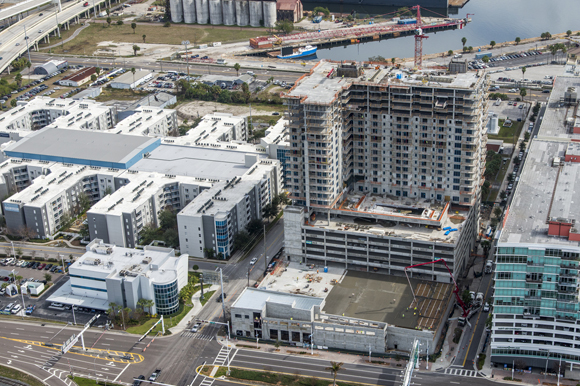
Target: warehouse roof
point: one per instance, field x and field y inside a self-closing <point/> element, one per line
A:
<point x="128" y="77"/>
<point x="83" y="147"/>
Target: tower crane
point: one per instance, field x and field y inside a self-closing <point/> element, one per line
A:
<point x="419" y="36"/>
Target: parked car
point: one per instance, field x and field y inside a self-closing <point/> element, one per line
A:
<point x="486" y="307"/>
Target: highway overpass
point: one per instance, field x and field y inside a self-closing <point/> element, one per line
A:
<point x="42" y="25"/>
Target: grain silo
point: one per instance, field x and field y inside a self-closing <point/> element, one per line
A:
<point x="189" y="15"/>
<point x="229" y="12"/>
<point x="202" y="11"/>
<point x="176" y="11"/>
<point x="242" y="13"/>
<point x="269" y="13"/>
<point x="215" y="12"/>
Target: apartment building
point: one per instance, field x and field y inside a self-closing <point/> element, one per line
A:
<point x="149" y="121"/>
<point x="387" y="166"/>
<point x="536" y="315"/>
<point x="217" y="214"/>
<point x="275" y="141"/>
<point x="219" y="127"/>
<point x="42" y="111"/>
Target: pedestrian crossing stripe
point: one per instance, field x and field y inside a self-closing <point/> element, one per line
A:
<point x="461" y="372"/>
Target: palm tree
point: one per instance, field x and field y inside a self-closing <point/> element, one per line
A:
<point x="237" y="68"/>
<point x="463" y="41"/>
<point x="136" y="48"/>
<point x="523" y="93"/>
<point x="113" y="309"/>
<point x="523" y="71"/>
<point x="18" y="79"/>
<point x="109" y="20"/>
<point x="334" y="368"/>
<point x="568" y="33"/>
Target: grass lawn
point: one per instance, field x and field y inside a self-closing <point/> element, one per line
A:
<point x="109" y="94"/>
<point x="507" y="133"/>
<point x="64" y="34"/>
<point x="206" y="296"/>
<point x="20" y="376"/>
<point x="80" y="381"/>
<point x="168" y="320"/>
<point x="86" y="41"/>
<point x="295" y="379"/>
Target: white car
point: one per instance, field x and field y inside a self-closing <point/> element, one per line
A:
<point x="16" y="309"/>
<point x="486" y="307"/>
<point x="196" y="327"/>
<point x="253" y="261"/>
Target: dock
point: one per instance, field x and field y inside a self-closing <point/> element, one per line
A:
<point x="346" y="36"/>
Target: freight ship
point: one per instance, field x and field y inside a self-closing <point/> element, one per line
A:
<point x="302" y="53"/>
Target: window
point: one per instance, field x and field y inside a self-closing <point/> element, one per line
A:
<point x="238" y="315"/>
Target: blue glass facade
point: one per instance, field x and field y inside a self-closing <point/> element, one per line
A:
<point x="166" y="298"/>
<point x="222" y="235"/>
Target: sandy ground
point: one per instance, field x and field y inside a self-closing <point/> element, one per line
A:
<point x="201" y="108"/>
<point x="155" y="51"/>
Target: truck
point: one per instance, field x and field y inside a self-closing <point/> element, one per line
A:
<point x="489" y="266"/>
<point x="481" y="55"/>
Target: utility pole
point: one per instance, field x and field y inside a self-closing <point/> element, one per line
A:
<point x="185" y="43"/>
<point x="265" y="257"/>
<point x="201" y="281"/>
<point x="223" y="300"/>
<point x="27" y="47"/>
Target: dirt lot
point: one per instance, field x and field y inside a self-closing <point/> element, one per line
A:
<point x="201" y="108"/>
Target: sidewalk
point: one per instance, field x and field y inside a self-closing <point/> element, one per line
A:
<point x="197" y="307"/>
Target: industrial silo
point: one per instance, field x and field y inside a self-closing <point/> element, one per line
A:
<point x="202" y="11"/>
<point x="189" y="15"/>
<point x="256" y="13"/>
<point x="229" y="10"/>
<point x="215" y="12"/>
<point x="269" y="13"/>
<point x="176" y="11"/>
<point x="242" y="13"/>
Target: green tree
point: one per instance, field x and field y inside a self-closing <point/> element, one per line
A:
<point x="393" y="60"/>
<point x="209" y="253"/>
<point x="466" y="297"/>
<point x="527" y="136"/>
<point x="450" y="52"/>
<point x="171" y="237"/>
<point x="524" y="71"/>
<point x="334" y="368"/>
<point x="523" y="93"/>
<point x="109" y="20"/>
<point x="254" y="226"/>
<point x="492" y="43"/>
<point x="568" y="33"/>
<point x="144" y="36"/>
<point x="285" y="26"/>
<point x="19" y="252"/>
<point x="241" y="239"/>
<point x="237" y="68"/>
<point x="503" y="195"/>
<point x="48" y="277"/>
<point x="97" y="70"/>
<point x="167" y="24"/>
<point x="323" y="10"/>
<point x="93" y="78"/>
<point x="168" y="219"/>
<point x="18" y="79"/>
<point x="518" y="40"/>
<point x="136" y="48"/>
<point x="497" y="212"/>
<point x="84" y="201"/>
<point x="195" y="267"/>
<point x="522" y="146"/>
<point x="463" y="41"/>
<point x="140" y="305"/>
<point x="133" y="70"/>
<point x="113" y="309"/>
<point x="120" y="22"/>
<point x="134" y="26"/>
<point x="148" y="303"/>
<point x="485" y="59"/>
<point x="13" y="103"/>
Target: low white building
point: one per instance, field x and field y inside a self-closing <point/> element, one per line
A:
<point x="108" y="274"/>
<point x="129" y="80"/>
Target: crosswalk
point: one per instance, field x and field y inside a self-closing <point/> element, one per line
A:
<point x="60" y="374"/>
<point x="50" y="362"/>
<point x="202" y="335"/>
<point x="222" y="356"/>
<point x="461" y="372"/>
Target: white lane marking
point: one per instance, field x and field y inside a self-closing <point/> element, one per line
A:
<point x="105" y="344"/>
<point x="44" y="380"/>
<point x="20" y="329"/>
<point x="109" y="339"/>
<point x="13" y="333"/>
<point x="457" y="383"/>
<point x="115" y="380"/>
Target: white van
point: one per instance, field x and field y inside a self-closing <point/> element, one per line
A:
<point x="221" y="61"/>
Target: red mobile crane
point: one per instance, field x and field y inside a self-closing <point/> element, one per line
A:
<point x="419" y="36"/>
<point x="463" y="306"/>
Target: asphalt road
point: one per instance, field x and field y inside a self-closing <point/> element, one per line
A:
<point x="41" y="251"/>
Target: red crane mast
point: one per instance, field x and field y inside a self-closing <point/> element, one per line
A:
<point x="419" y="36"/>
<point x="455" y="291"/>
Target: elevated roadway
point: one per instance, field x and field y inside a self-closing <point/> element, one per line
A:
<point x="18" y="9"/>
<point x="43" y="25"/>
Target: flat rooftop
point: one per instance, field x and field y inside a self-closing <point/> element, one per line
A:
<point x="254" y="299"/>
<point x="319" y="87"/>
<point x="82" y="147"/>
<point x="554" y="121"/>
<point x="128" y="77"/>
<point x="389" y="299"/>
<point x="543" y="191"/>
<point x="195" y="161"/>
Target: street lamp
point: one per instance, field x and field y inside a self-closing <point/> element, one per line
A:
<point x="186" y="43"/>
<point x="13" y="254"/>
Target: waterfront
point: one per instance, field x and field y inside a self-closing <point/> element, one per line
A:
<point x="499" y="20"/>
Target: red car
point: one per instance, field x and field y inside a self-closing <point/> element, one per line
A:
<point x="41" y="266"/>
